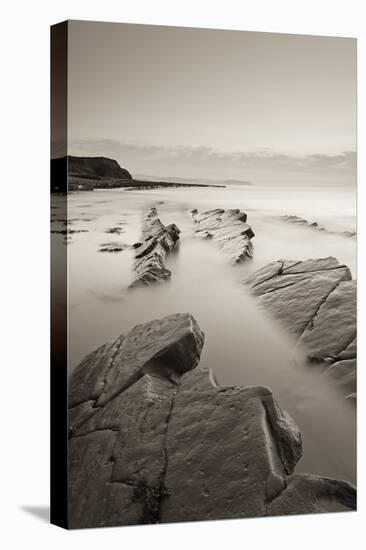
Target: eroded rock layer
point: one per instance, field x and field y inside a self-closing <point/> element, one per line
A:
<point x="157" y="241"/>
<point x="154" y="439"/>
<point x="228" y="229"/>
<point x="315" y="225"/>
<point x="315" y="300"/>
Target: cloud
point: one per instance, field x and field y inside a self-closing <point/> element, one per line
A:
<point x="157" y="160"/>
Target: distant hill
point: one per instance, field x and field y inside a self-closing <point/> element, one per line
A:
<point x="86" y="173"/>
<point x="96" y="167"/>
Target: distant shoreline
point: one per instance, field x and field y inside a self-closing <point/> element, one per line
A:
<point x="142" y="184"/>
<point x="88" y="173"/>
<point x="91" y="185"/>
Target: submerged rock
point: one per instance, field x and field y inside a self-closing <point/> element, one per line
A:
<point x="315" y="300"/>
<point x="68" y="231"/>
<point x="114" y="230"/>
<point x="314" y="225"/>
<point x="157" y="241"/>
<point x="154" y="439"/>
<point x="229" y="230"/>
<point x="302" y="221"/>
<point x="112" y="247"/>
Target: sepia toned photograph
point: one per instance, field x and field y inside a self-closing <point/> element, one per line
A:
<point x="203" y="254"/>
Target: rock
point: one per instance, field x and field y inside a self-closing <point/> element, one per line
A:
<point x="112" y="247"/>
<point x="303" y="489"/>
<point x="69" y="231"/>
<point x="154" y="439"/>
<point x="157" y="241"/>
<point x="302" y="221"/>
<point x="122" y="361"/>
<point x="228" y="229"/>
<point x="345" y="373"/>
<point x="224" y="452"/>
<point x="114" y="230"/>
<point x="315" y="300"/>
<point x="314" y="225"/>
<point x="335" y="323"/>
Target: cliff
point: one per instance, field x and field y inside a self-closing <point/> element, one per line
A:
<point x="86" y="173"/>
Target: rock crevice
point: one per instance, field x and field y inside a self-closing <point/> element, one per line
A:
<point x="157" y="241"/>
<point x="314" y="300"/>
<point x="228" y="229"/>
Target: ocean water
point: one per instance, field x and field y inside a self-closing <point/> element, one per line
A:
<point x="242" y="344"/>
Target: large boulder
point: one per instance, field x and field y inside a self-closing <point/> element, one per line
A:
<point x="157" y="241"/>
<point x="153" y="438"/>
<point x="228" y="229"/>
<point x="314" y="300"/>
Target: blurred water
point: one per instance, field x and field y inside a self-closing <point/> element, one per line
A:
<point x="242" y="345"/>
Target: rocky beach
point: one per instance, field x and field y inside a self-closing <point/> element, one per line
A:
<point x="220" y="336"/>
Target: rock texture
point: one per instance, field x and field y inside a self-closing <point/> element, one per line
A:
<point x="157" y="241"/>
<point x="229" y="230"/>
<point x="314" y="225"/>
<point x="315" y="300"/>
<point x="154" y="439"/>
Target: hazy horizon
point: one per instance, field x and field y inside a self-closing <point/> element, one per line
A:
<point x="216" y="104"/>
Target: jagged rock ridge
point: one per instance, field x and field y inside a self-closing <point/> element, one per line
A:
<point x="157" y="241"/>
<point x="315" y="300"/>
<point x="228" y="229"/>
<point x="314" y="225"/>
<point x="154" y="439"/>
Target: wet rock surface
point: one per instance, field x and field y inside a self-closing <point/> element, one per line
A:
<point x="154" y="439"/>
<point x="228" y="229"/>
<point x="157" y="241"/>
<point x="314" y="300"/>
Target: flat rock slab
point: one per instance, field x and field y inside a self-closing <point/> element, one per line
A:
<point x="228" y="229"/>
<point x="157" y="241"/>
<point x="154" y="439"/>
<point x="314" y="300"/>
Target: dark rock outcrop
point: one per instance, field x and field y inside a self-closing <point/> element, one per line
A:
<point x="86" y="173"/>
<point x="315" y="300"/>
<point x="96" y="167"/>
<point x="157" y="241"/>
<point x="229" y="230"/>
<point x="114" y="230"/>
<point x="112" y="247"/>
<point x="154" y="439"/>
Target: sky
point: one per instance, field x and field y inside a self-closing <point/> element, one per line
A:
<point x="170" y="101"/>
